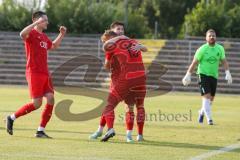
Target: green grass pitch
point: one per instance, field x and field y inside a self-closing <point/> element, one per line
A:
<point x="178" y="139"/>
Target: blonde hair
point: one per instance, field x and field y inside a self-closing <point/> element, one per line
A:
<point x="108" y="34"/>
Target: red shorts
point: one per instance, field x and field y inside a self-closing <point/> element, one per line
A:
<point x="131" y="91"/>
<point x="39" y="84"/>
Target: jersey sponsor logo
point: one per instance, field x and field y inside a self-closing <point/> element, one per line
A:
<point x="212" y="60"/>
<point x="43" y="44"/>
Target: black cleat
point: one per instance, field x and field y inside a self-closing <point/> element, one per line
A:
<point x="41" y="134"/>
<point x="110" y="133"/>
<point x="210" y="122"/>
<point x="9" y="125"/>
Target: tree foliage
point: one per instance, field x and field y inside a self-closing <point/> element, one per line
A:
<point x="174" y="17"/>
<point x="221" y="15"/>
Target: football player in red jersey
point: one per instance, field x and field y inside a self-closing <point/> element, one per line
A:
<point x="119" y="28"/>
<point x="128" y="79"/>
<point x="38" y="77"/>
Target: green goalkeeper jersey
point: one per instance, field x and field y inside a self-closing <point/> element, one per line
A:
<point x="209" y="58"/>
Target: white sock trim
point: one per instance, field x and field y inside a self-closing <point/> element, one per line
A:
<point x="206" y="105"/>
<point x="100" y="128"/>
<point x="13" y="117"/>
<point x="129" y="132"/>
<point x="40" y="128"/>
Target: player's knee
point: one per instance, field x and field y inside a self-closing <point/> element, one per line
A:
<point x="212" y="98"/>
<point x="129" y="108"/>
<point x="37" y="103"/>
<point x="207" y="96"/>
<point x="50" y="100"/>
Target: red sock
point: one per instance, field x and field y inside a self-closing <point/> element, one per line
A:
<point x="140" y="119"/>
<point x="129" y="117"/>
<point x="110" y="116"/>
<point x="27" y="108"/>
<point x="102" y="121"/>
<point x="46" y="115"/>
<point x="108" y="112"/>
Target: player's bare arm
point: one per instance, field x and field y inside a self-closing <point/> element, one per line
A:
<point x="225" y="64"/>
<point x="107" y="65"/>
<point x="192" y="66"/>
<point x="139" y="47"/>
<point x="143" y="48"/>
<point x="25" y="32"/>
<point x="58" y="40"/>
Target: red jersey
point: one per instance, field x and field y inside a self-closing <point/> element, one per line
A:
<point x="36" y="46"/>
<point x="125" y="62"/>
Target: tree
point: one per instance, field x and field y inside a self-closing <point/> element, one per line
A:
<point x="13" y="17"/>
<point x="221" y="15"/>
<point x="169" y="15"/>
<point x="93" y="17"/>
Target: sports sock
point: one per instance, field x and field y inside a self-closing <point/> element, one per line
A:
<point x="129" y="132"/>
<point x="201" y="111"/>
<point x="110" y="116"/>
<point x="102" y="121"/>
<point x="46" y="115"/>
<point x="27" y="108"/>
<point x="13" y="117"/>
<point x="207" y="108"/>
<point x="100" y="128"/>
<point x="129" y="117"/>
<point x="140" y="119"/>
<point x="40" y="129"/>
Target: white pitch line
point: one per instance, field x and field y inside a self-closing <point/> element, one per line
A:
<point x="216" y="152"/>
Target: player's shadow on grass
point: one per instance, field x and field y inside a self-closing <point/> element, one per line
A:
<point x="179" y="145"/>
<point x="52" y="131"/>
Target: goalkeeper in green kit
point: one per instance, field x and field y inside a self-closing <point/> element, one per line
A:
<point x="208" y="58"/>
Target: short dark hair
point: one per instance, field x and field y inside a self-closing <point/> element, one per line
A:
<point x="210" y="30"/>
<point x="38" y="14"/>
<point x="116" y="23"/>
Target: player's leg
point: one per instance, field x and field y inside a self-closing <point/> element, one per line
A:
<point x="129" y="120"/>
<point x="140" y="118"/>
<point x="35" y="88"/>
<point x="45" y="116"/>
<point x="109" y="115"/>
<point x="48" y="109"/>
<point x="25" y="109"/>
<point x="206" y="105"/>
<point x="140" y="93"/>
<point x="99" y="131"/>
<point x="205" y="89"/>
<point x="201" y="111"/>
<point x="213" y="86"/>
<point x="103" y="121"/>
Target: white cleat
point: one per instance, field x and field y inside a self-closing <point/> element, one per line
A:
<point x="129" y="139"/>
<point x="140" y="138"/>
<point x="95" y="135"/>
